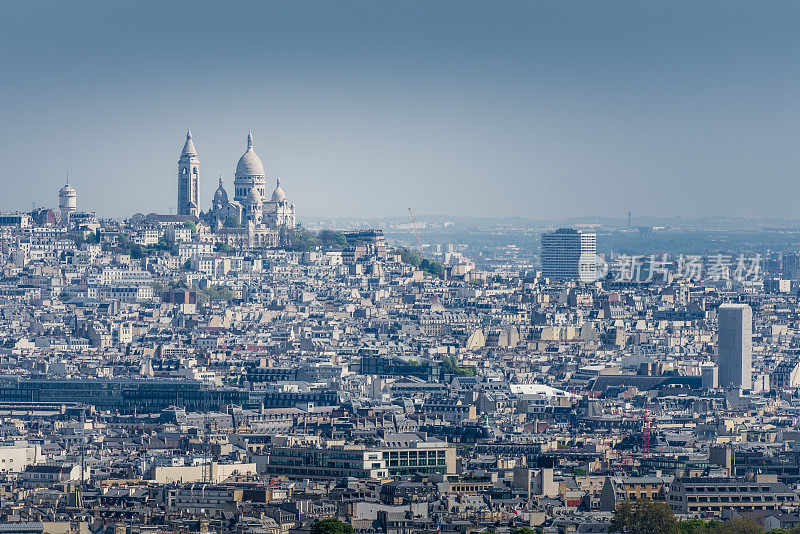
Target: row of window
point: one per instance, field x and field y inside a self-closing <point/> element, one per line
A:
<point x="737" y="498"/>
<point x="243" y="191"/>
<point x="727" y="489"/>
<point x="720" y="508"/>
<point x="414" y="454"/>
<point x="422" y="461"/>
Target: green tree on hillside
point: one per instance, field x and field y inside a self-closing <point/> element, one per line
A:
<point x="331" y="239"/>
<point x="740" y="526"/>
<point x="432" y="267"/>
<point x="331" y="526"/>
<point x="408" y="256"/>
<point x="644" y="517"/>
<point x="298" y="239"/>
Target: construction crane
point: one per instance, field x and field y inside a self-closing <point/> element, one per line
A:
<point x="416" y="230"/>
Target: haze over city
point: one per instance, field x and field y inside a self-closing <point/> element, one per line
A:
<point x="543" y="110"/>
<point x="361" y="267"/>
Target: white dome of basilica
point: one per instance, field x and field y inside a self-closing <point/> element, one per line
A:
<point x="249" y="164"/>
<point x="278" y="195"/>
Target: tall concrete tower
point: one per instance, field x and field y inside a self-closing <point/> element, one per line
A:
<point x="188" y="179"/>
<point x="735" y="339"/>
<point x="67" y="202"/>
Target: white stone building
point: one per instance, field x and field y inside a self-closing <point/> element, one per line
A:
<point x="258" y="218"/>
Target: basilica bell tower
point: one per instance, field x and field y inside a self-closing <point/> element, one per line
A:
<point x="188" y="179"/>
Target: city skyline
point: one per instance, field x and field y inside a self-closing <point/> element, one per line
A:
<point x="540" y="110"/>
<point x="357" y="267"/>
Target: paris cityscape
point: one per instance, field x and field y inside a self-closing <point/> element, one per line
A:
<point x="364" y="268"/>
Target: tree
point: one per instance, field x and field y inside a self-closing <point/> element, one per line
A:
<point x="523" y="530"/>
<point x="432" y="267"/>
<point x="740" y="526"/>
<point x="215" y="293"/>
<point x="331" y="239"/>
<point x="696" y="526"/>
<point x="331" y="526"/>
<point x="232" y="221"/>
<point x="644" y="517"/>
<point x="450" y="365"/>
<point x="191" y="226"/>
<point x="412" y="258"/>
<point x="408" y="256"/>
<point x="301" y="240"/>
<point x="224" y="248"/>
<point x="135" y="251"/>
<point x="77" y="238"/>
<point x="158" y="247"/>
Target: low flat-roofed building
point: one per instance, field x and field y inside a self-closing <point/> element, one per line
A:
<point x="710" y="495"/>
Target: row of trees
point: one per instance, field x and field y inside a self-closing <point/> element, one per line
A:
<point x="412" y="258"/>
<point x="331" y="526"/>
<point x="137" y="251"/>
<point x="450" y="365"/>
<point x="653" y="517"/>
<point x="220" y="293"/>
<point x="300" y="239"/>
<point x="639" y="517"/>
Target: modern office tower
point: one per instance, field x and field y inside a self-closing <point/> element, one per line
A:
<point x="569" y="254"/>
<point x="735" y="341"/>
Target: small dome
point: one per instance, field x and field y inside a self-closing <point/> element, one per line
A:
<point x="253" y="196"/>
<point x="67" y="191"/>
<point x="249" y="164"/>
<point x="188" y="147"/>
<point x="220" y="195"/>
<point x="278" y="195"/>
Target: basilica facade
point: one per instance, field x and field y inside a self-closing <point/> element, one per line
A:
<point x="250" y="218"/>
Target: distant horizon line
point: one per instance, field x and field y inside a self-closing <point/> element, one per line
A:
<point x="581" y="220"/>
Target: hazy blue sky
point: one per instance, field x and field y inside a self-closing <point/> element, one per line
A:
<point x="534" y="109"/>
